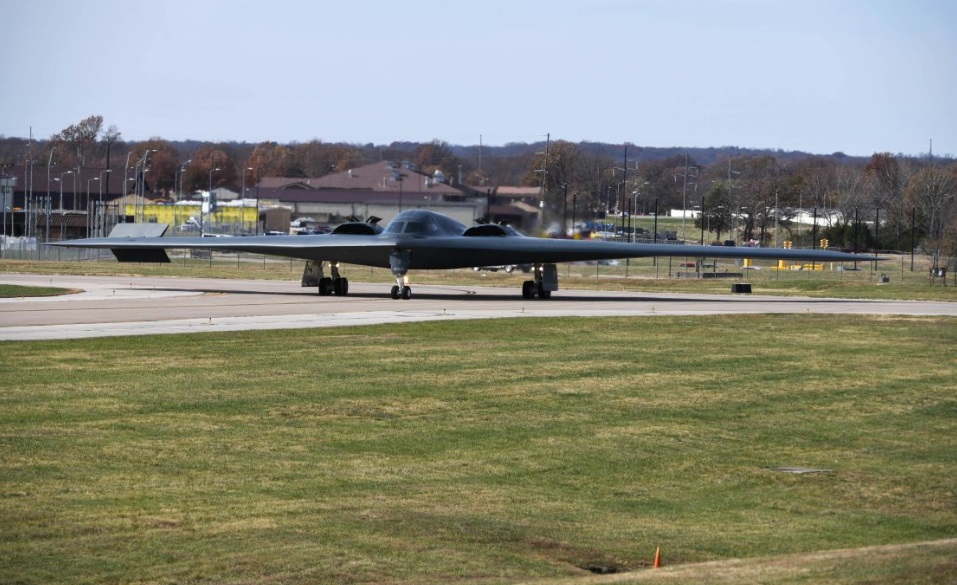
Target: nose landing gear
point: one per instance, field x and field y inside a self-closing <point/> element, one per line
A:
<point x="399" y="261"/>
<point x="403" y="292"/>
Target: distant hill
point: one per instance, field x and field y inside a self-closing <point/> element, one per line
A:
<point x="702" y="156"/>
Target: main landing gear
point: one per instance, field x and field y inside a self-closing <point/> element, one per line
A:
<point x="312" y="275"/>
<point x="546" y="281"/>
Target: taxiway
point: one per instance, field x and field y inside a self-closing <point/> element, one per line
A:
<point x="117" y="305"/>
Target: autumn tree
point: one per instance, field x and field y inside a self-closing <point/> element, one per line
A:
<point x="202" y="172"/>
<point x="160" y="160"/>
<point x="437" y="156"/>
<point x="85" y="143"/>
<point x="268" y="159"/>
<point x="344" y="158"/>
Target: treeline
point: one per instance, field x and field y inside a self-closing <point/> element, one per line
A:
<point x="887" y="201"/>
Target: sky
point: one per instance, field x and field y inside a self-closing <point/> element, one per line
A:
<point x="820" y="76"/>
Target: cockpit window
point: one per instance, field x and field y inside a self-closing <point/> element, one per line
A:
<point x="411" y="227"/>
<point x="394" y="227"/>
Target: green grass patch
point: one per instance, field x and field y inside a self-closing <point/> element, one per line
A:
<point x="493" y="452"/>
<point x="8" y="291"/>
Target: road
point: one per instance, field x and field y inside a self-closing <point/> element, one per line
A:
<point x="118" y="305"/>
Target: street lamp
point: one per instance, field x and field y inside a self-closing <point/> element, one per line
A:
<point x="63" y="174"/>
<point x="208" y="202"/>
<point x="104" y="172"/>
<point x="401" y="179"/>
<point x="88" y="181"/>
<point x="178" y="179"/>
<point x="140" y="186"/>
<point x="243" y="195"/>
<point x="693" y="173"/>
<point x="731" y="190"/>
<point x="257" y="200"/>
<point x="100" y="217"/>
<point x="701" y="221"/>
<point x="636" y="193"/>
<point x="77" y="184"/>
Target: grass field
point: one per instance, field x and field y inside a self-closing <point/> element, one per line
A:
<point x="14" y="291"/>
<point x="509" y="451"/>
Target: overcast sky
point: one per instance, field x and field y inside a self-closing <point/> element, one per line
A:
<point x="856" y="76"/>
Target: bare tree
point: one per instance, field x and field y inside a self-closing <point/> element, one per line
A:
<point x="931" y="192"/>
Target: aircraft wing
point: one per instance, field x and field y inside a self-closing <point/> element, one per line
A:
<point x="462" y="252"/>
<point x="353" y="249"/>
<point x="446" y="251"/>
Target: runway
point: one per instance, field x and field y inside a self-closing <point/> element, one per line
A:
<point x="117" y="305"/>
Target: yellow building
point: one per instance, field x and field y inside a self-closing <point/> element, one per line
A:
<point x="226" y="219"/>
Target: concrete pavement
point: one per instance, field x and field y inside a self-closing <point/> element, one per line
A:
<point x="115" y="305"/>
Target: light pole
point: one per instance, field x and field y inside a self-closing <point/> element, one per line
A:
<point x="701" y="221"/>
<point x="126" y="183"/>
<point x="257" y="201"/>
<point x="636" y="193"/>
<point x="100" y="217"/>
<point x="49" y="164"/>
<point x="88" y="181"/>
<point x="207" y="205"/>
<point x="243" y="195"/>
<point x="178" y="179"/>
<point x="104" y="172"/>
<point x="63" y="174"/>
<point x="400" y="179"/>
<point x="689" y="172"/>
<point x="731" y="194"/>
<point x="141" y="180"/>
<point x="77" y="184"/>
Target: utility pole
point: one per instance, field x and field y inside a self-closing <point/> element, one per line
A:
<point x="481" y="172"/>
<point x="544" y="172"/>
<point x="548" y="138"/>
<point x="684" y="200"/>
<point x="624" y="188"/>
<point x="684" y="192"/>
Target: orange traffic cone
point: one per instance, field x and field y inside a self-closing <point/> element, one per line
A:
<point x="658" y="557"/>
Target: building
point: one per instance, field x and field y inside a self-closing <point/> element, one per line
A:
<point x="54" y="202"/>
<point x="382" y="190"/>
<point x="385" y="188"/>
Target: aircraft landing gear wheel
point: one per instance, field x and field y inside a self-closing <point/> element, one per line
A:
<point x="325" y="286"/>
<point x="395" y="292"/>
<point x="542" y="293"/>
<point x="406" y="293"/>
<point x="528" y="289"/>
<point x="340" y="286"/>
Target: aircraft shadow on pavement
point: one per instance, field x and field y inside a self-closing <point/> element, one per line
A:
<point x="425" y="292"/>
